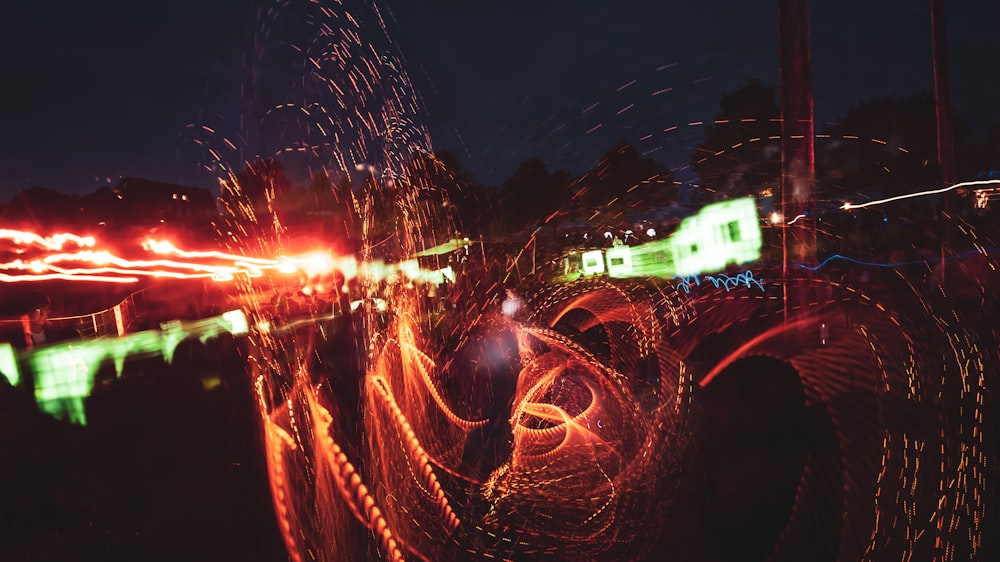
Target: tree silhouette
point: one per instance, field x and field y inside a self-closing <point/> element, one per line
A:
<point x="104" y="206"/>
<point x="259" y="185"/>
<point x="41" y="208"/>
<point x="332" y="199"/>
<point x="888" y="144"/>
<point x="741" y="154"/>
<point x="263" y="180"/>
<point x="321" y="191"/>
<point x="993" y="144"/>
<point x="531" y="194"/>
<point x="624" y="179"/>
<point x="451" y="188"/>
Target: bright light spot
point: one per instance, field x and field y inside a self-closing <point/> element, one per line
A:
<point x="8" y="364"/>
<point x="651" y="232"/>
<point x="593" y="262"/>
<point x="776" y="218"/>
<point x="237" y="322"/>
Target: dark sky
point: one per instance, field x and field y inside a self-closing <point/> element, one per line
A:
<point x="99" y="90"/>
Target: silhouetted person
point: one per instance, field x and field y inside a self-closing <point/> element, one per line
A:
<point x="342" y="357"/>
<point x="34" y="323"/>
<point x="513" y="306"/>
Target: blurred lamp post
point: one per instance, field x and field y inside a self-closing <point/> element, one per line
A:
<point x="798" y="161"/>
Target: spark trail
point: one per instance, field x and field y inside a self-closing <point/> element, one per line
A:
<point x="605" y="382"/>
<point x="40" y="259"/>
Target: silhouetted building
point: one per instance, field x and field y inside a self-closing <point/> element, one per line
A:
<point x="148" y="201"/>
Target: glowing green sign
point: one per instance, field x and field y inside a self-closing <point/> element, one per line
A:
<point x="619" y="261"/>
<point x="64" y="372"/>
<point x="593" y="262"/>
<point x="8" y="364"/>
<point x="723" y="233"/>
<point x="727" y="232"/>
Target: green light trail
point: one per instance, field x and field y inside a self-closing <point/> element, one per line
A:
<point x="63" y="373"/>
<point x="721" y="234"/>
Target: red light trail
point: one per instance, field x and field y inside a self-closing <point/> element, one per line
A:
<point x="53" y="242"/>
<point x="40" y="258"/>
<point x="616" y="412"/>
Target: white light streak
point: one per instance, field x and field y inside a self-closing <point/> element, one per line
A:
<point x="847" y="206"/>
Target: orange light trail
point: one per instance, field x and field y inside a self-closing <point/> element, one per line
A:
<point x="42" y="259"/>
<point x="103" y="263"/>
<point x="5" y="278"/>
<point x="54" y="242"/>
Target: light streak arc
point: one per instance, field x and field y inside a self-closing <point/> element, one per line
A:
<point x="848" y="205"/>
<point x="53" y="242"/>
<point x="100" y="265"/>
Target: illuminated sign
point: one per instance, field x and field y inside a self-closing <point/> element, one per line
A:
<point x="620" y="261"/>
<point x="593" y="262"/>
<point x="721" y="234"/>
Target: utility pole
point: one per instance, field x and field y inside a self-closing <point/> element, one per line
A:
<point x="945" y="127"/>
<point x="942" y="95"/>
<point x="798" y="159"/>
<point x="945" y="149"/>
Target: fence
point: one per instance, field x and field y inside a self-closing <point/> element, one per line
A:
<point x="111" y="322"/>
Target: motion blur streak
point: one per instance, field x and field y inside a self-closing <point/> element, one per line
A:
<point x="95" y="265"/>
<point x="53" y="242"/>
<point x="848" y="206"/>
<point x="623" y="416"/>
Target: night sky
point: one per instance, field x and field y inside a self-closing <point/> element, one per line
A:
<point x="96" y="91"/>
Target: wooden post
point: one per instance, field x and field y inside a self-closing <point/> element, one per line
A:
<point x="942" y="113"/>
<point x="798" y="160"/>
